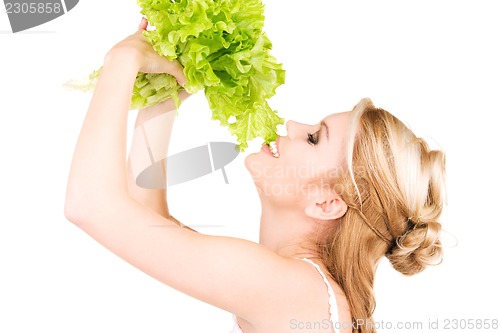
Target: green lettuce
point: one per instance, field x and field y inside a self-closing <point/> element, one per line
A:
<point x="223" y="49"/>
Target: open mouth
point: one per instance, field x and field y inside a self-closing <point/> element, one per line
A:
<point x="272" y="149"/>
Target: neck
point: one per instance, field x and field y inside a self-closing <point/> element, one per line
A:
<point x="287" y="231"/>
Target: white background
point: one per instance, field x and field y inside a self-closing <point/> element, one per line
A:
<point x="434" y="64"/>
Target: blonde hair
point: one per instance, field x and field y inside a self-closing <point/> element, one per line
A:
<point x="393" y="184"/>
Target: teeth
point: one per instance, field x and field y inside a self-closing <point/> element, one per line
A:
<point x="274" y="149"/>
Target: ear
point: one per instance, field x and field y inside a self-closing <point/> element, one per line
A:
<point x="328" y="207"/>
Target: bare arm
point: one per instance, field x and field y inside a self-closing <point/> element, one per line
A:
<point x="233" y="274"/>
<point x="150" y="141"/>
<point x="140" y="157"/>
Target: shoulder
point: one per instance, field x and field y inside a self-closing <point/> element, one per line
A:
<point x="318" y="294"/>
<point x="344" y="314"/>
<point x="303" y="300"/>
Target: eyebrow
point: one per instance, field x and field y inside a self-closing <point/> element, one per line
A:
<point x="326" y="127"/>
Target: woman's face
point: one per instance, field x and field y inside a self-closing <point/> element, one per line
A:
<point x="306" y="153"/>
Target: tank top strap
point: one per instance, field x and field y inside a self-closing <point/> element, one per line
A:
<point x="334" y="312"/>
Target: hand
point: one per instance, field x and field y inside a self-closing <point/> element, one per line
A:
<point x="145" y="57"/>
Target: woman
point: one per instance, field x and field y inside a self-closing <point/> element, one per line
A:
<point x="336" y="197"/>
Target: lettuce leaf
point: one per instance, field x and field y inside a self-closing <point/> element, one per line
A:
<point x="223" y="49"/>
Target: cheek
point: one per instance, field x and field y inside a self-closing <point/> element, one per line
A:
<point x="286" y="176"/>
<point x="287" y="180"/>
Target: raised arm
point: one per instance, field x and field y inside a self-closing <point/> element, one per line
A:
<point x="150" y="141"/>
<point x="233" y="274"/>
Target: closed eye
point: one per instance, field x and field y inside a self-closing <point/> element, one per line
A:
<point x="312" y="138"/>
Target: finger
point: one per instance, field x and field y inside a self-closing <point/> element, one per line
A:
<point x="183" y="94"/>
<point x="175" y="69"/>
<point x="144" y="24"/>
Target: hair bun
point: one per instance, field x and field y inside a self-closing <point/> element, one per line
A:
<point x="417" y="248"/>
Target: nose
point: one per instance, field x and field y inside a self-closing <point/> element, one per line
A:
<point x="289" y="125"/>
<point x="293" y="127"/>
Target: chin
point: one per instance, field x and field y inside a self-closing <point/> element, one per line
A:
<point x="254" y="166"/>
<point x="252" y="161"/>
